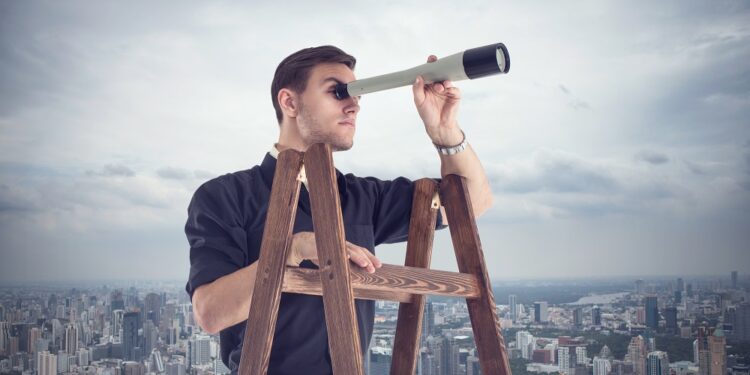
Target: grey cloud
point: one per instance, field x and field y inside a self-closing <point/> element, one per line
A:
<point x="652" y="157"/>
<point x="173" y="173"/>
<point x="695" y="168"/>
<point x="564" y="89"/>
<point x="554" y="173"/>
<point x="13" y="200"/>
<point x="111" y="170"/>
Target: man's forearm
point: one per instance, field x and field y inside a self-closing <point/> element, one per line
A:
<point x="467" y="164"/>
<point x="226" y="301"/>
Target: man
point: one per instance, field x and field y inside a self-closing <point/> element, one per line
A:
<point x="227" y="214"/>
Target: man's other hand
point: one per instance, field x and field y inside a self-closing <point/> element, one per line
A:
<point x="303" y="247"/>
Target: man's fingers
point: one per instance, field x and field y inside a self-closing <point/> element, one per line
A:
<point x="360" y="257"/>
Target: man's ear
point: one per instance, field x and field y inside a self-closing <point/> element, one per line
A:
<point x="288" y="102"/>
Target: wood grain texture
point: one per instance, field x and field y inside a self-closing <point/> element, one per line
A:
<point x="338" y="296"/>
<point x="389" y="279"/>
<point x="274" y="249"/>
<point x="493" y="356"/>
<point x="418" y="254"/>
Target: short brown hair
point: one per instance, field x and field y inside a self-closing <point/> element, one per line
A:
<point x="294" y="71"/>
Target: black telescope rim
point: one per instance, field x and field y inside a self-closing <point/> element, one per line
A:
<point x="482" y="61"/>
<point x="341" y="90"/>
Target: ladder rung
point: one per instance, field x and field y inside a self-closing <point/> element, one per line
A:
<point x="390" y="282"/>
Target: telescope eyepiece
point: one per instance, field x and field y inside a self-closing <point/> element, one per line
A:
<point x="341" y="91"/>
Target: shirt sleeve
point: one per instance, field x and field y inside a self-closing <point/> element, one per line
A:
<point x="214" y="230"/>
<point x="393" y="210"/>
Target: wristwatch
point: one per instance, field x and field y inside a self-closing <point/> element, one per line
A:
<point x="452" y="150"/>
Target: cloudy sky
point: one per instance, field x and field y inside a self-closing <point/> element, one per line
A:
<point x="618" y="144"/>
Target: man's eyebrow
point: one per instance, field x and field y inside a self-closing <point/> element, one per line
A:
<point x="334" y="79"/>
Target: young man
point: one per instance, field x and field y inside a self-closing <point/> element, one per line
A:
<point x="227" y="214"/>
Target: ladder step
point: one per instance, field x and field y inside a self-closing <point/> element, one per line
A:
<point x="390" y="282"/>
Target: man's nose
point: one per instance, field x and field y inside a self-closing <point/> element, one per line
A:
<point x="352" y="105"/>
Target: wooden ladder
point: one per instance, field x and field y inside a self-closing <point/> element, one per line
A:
<point x="339" y="285"/>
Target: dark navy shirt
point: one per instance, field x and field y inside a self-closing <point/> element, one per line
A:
<point x="225" y="227"/>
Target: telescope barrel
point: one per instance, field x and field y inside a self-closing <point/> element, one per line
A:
<point x="470" y="64"/>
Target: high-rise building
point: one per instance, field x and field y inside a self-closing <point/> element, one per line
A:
<point x="717" y="345"/>
<point x="602" y="366"/>
<point x="658" y="363"/>
<point x="637" y="353"/>
<point x="46" y="363"/>
<point x="380" y="361"/>
<point x="670" y="315"/>
<point x="680" y="285"/>
<point x="577" y="316"/>
<point x="596" y="316"/>
<point x="581" y="355"/>
<point x="689" y="290"/>
<point x="734" y="279"/>
<point x="710" y="350"/>
<point x="652" y="312"/>
<point x="152" y="304"/>
<point x="525" y="342"/>
<point x="472" y="366"/>
<point x="513" y="305"/>
<point x="740" y="320"/>
<point x="199" y="350"/>
<point x="130" y="338"/>
<point x="4" y="337"/>
<point x="540" y="311"/>
<point x="563" y="359"/>
<point x="34" y="334"/>
<point x="155" y="362"/>
<point x="677" y="297"/>
<point x="71" y="339"/>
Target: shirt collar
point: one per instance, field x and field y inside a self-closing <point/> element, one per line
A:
<point x="268" y="168"/>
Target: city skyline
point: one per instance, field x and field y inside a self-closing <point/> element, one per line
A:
<point x="617" y="144"/>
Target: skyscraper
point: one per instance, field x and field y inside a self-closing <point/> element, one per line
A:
<point x="734" y="279"/>
<point x="540" y="311"/>
<point x="512" y="304"/>
<point x="71" y="339"/>
<point x="525" y="341"/>
<point x="602" y="366"/>
<point x="670" y="315"/>
<point x="658" y="363"/>
<point x="680" y="285"/>
<point x="717" y="352"/>
<point x="652" y="312"/>
<point x="34" y="334"/>
<point x="130" y="336"/>
<point x="46" y="363"/>
<point x="200" y="350"/>
<point x="152" y="304"/>
<point x="637" y="354"/>
<point x="578" y="316"/>
<point x="596" y="316"/>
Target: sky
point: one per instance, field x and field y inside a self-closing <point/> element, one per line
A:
<point x="618" y="144"/>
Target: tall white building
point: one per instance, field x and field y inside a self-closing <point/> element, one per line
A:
<point x="563" y="358"/>
<point x="581" y="356"/>
<point x="513" y="307"/>
<point x="71" y="339"/>
<point x="46" y="363"/>
<point x="200" y="350"/>
<point x="525" y="341"/>
<point x="602" y="366"/>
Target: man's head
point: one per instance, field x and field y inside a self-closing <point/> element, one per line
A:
<point x="306" y="107"/>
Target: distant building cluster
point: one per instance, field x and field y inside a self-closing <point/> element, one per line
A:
<point x="149" y="329"/>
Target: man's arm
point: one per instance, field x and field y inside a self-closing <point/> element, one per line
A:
<point x="226" y="301"/>
<point x="437" y="104"/>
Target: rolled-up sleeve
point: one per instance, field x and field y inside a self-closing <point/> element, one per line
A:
<point x="393" y="209"/>
<point x="214" y="230"/>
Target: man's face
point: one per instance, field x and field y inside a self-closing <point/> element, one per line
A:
<point x="323" y="118"/>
